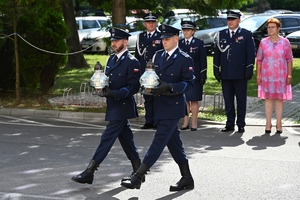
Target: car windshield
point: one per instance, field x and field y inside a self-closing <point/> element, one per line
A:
<point x="176" y="21"/>
<point x="253" y="23"/>
<point x="135" y="26"/>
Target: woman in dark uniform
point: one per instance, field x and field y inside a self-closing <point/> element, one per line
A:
<point x="195" y="48"/>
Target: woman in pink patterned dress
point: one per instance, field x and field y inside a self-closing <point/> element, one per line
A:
<point x="274" y="73"/>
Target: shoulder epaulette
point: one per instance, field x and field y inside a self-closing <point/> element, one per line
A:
<point x="184" y="54"/>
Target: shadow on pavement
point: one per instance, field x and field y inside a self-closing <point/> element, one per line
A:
<point x="265" y="141"/>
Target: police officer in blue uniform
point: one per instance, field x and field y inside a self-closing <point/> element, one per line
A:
<point x="175" y="71"/>
<point x="148" y="42"/>
<point x="195" y="48"/>
<point x="123" y="71"/>
<point x="233" y="60"/>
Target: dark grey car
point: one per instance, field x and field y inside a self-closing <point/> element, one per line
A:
<point x="206" y="27"/>
<point x="257" y="24"/>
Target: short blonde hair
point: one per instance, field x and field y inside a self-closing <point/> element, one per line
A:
<point x="275" y="21"/>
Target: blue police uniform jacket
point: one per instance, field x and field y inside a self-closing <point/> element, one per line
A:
<point x="235" y="56"/>
<point x="146" y="47"/>
<point x="177" y="70"/>
<point x="124" y="82"/>
<point x="197" y="51"/>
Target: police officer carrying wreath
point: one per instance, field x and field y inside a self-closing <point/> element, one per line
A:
<point x="123" y="71"/>
<point x="148" y="42"/>
<point x="233" y="60"/>
<point x="175" y="71"/>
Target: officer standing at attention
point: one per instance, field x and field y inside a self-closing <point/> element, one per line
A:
<point x="195" y="48"/>
<point x="123" y="71"/>
<point x="233" y="60"/>
<point x="175" y="71"/>
<point x="148" y="42"/>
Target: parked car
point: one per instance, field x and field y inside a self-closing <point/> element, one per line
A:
<point x="90" y="23"/>
<point x="279" y="11"/>
<point x="222" y="13"/>
<point x="207" y="28"/>
<point x="134" y="28"/>
<point x="294" y="39"/>
<point x="179" y="13"/>
<point x="96" y="41"/>
<point x="257" y="24"/>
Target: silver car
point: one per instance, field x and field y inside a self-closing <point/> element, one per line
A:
<point x="294" y="39"/>
<point x="96" y="42"/>
<point x="87" y="24"/>
<point x="207" y="28"/>
<point x="134" y="28"/>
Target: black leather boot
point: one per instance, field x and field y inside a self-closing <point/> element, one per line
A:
<point x="136" y="180"/>
<point x="87" y="176"/>
<point x="135" y="166"/>
<point x="186" y="181"/>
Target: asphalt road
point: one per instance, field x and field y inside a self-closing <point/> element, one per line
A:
<point x="40" y="155"/>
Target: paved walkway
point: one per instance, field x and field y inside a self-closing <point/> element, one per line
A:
<point x="255" y="108"/>
<point x="291" y="112"/>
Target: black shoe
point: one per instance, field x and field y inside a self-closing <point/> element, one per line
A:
<point x="278" y="131"/>
<point x="193" y="129"/>
<point x="87" y="176"/>
<point x="186" y="181"/>
<point x="241" y="130"/>
<point x="147" y="126"/>
<point x="267" y="131"/>
<point x="185" y="128"/>
<point x="227" y="128"/>
<point x="136" y="180"/>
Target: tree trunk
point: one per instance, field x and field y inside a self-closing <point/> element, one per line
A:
<point x="119" y="14"/>
<point x="18" y="92"/>
<point x="74" y="60"/>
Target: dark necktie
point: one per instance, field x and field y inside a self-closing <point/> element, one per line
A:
<point x="187" y="42"/>
<point x="166" y="57"/>
<point x="232" y="34"/>
<point x="115" y="59"/>
<point x="149" y="35"/>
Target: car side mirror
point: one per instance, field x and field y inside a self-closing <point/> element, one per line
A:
<point x="282" y="33"/>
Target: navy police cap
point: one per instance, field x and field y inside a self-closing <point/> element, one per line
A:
<point x="118" y="34"/>
<point x="233" y="15"/>
<point x="150" y="17"/>
<point x="187" y="25"/>
<point x="168" y="31"/>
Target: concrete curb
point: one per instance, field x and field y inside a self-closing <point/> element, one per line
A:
<point x="100" y="116"/>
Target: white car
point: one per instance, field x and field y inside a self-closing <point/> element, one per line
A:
<point x="87" y="24"/>
<point x="96" y="42"/>
<point x="134" y="28"/>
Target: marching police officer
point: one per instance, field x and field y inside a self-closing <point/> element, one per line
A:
<point x="148" y="42"/>
<point x="123" y="71"/>
<point x="195" y="48"/>
<point x="175" y="71"/>
<point x="233" y="60"/>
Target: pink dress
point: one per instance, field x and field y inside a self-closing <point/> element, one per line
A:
<point x="273" y="58"/>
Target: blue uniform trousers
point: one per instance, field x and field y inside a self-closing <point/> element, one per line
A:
<point x="237" y="88"/>
<point x="116" y="129"/>
<point x="149" y="109"/>
<point x="167" y="134"/>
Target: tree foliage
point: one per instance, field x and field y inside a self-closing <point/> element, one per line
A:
<point x="40" y="24"/>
